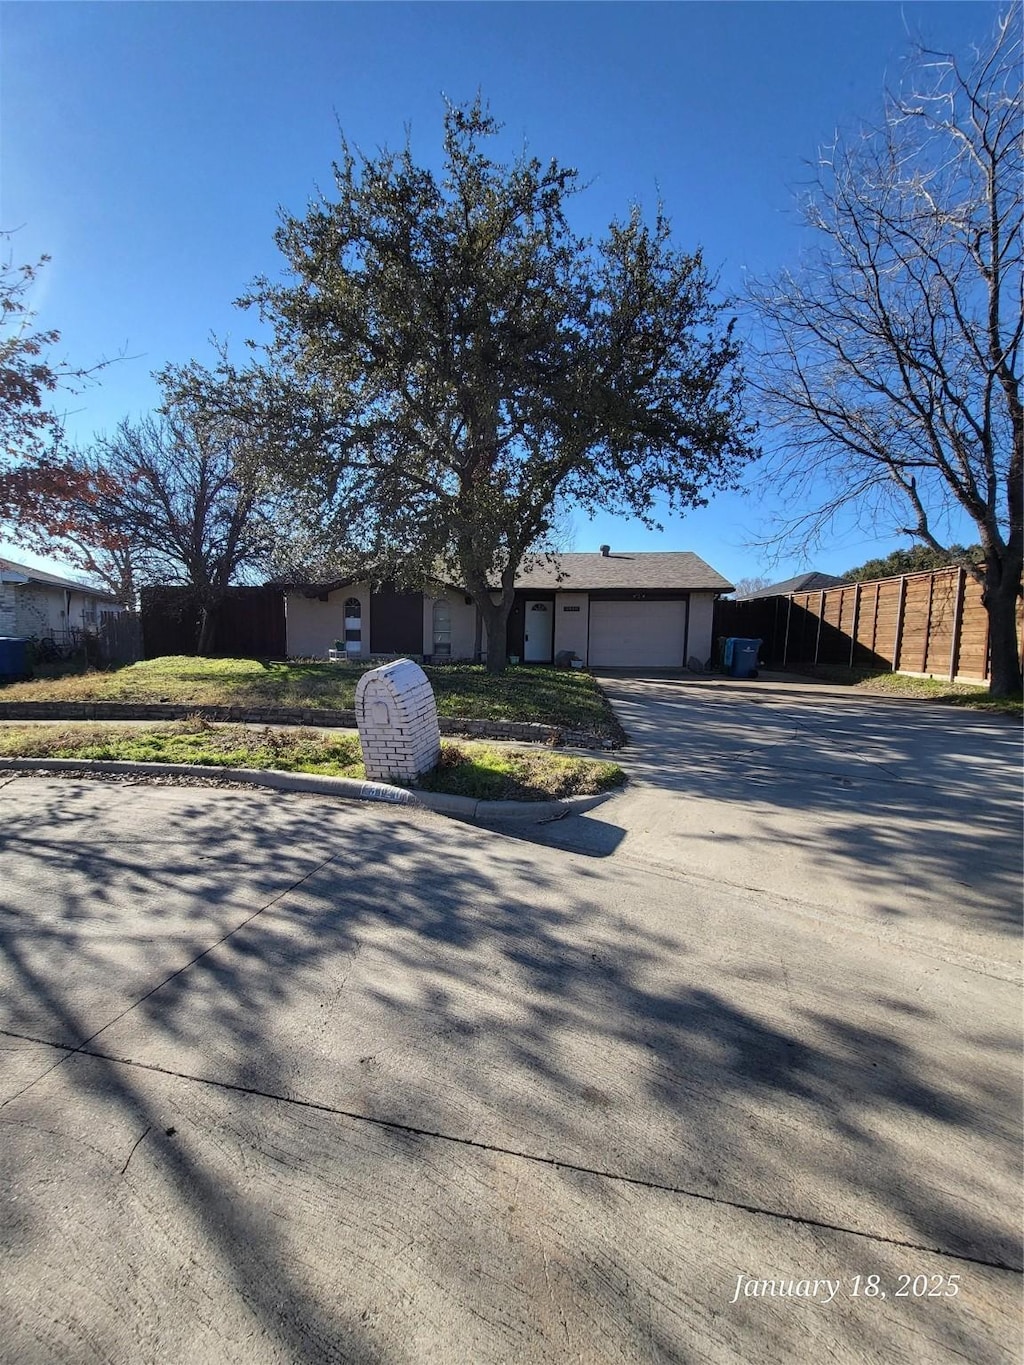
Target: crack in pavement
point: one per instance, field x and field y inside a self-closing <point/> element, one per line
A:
<point x="72" y="1051"/>
<point x="534" y="1158"/>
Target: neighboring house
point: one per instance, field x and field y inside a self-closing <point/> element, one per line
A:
<point x="804" y="582"/>
<point x="611" y="610"/>
<point x="44" y="604"/>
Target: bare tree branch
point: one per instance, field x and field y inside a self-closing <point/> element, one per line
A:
<point x="891" y="360"/>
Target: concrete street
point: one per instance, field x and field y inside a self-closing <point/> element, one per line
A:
<point x="284" y="1078"/>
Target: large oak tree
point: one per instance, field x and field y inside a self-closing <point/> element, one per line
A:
<point x="461" y="365"/>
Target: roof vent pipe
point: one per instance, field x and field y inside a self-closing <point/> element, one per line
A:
<point x="606" y="550"/>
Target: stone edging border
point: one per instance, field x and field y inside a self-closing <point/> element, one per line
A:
<point x="293" y="715"/>
<point x="463" y="807"/>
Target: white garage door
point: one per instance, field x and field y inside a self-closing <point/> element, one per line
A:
<point x="637" y="634"/>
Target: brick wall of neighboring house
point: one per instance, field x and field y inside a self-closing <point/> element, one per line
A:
<point x="45" y="609"/>
<point x="8" y="610"/>
<point x="39" y="609"/>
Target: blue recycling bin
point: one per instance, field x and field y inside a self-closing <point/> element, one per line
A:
<point x="13" y="657"/>
<point x="741" y="657"/>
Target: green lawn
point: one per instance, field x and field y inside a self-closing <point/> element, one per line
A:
<point x="975" y="698"/>
<point x="560" y="697"/>
<point x="478" y="770"/>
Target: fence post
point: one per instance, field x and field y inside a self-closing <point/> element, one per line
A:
<point x="856" y="622"/>
<point x="821" y="617"/>
<point x="898" y="638"/>
<point x="874" y="618"/>
<point x="958" y="616"/>
<point x="928" y="621"/>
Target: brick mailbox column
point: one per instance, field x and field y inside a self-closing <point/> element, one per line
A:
<point x="397" y="720"/>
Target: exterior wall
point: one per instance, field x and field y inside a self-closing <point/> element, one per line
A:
<point x="39" y="610"/>
<point x="8" y="610"/>
<point x="87" y="611"/>
<point x="699" y="641"/>
<point x="313" y="626"/>
<point x="571" y="627"/>
<point x="463" y="624"/>
<point x="45" y="609"/>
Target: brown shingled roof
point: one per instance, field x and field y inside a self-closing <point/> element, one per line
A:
<point x="680" y="570"/>
<point x="669" y="570"/>
<point x="811" y="581"/>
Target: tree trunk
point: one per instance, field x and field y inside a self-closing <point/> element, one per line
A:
<point x="207" y="626"/>
<point x="1001" y="600"/>
<point x="495" y="619"/>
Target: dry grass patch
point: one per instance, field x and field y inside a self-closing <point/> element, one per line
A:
<point x="190" y="741"/>
<point x="974" y="697"/>
<point x="484" y="772"/>
<point x="488" y="773"/>
<point x="563" y="698"/>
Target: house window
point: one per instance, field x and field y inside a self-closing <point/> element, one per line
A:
<point x="442" y="630"/>
<point x="353" y="626"/>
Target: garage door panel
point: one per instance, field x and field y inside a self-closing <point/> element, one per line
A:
<point x="637" y="634"/>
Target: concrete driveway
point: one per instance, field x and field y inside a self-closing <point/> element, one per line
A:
<point x="897" y="814"/>
<point x="287" y="1079"/>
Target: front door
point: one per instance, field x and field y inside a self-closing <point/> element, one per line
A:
<point x="537" y="635"/>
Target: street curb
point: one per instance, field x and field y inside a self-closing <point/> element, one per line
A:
<point x="444" y="803"/>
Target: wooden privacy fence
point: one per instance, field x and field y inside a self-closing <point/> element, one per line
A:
<point x="926" y="623"/>
<point x="119" y="638"/>
<point x="250" y="622"/>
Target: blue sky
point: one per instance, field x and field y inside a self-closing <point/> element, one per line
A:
<point x="146" y="148"/>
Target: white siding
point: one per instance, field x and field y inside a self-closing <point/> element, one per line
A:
<point x="86" y="610"/>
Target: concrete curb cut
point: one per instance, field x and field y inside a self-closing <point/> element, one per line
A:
<point x="463" y="807"/>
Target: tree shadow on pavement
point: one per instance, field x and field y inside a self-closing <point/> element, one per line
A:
<point x="370" y="969"/>
<point x="914" y="810"/>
